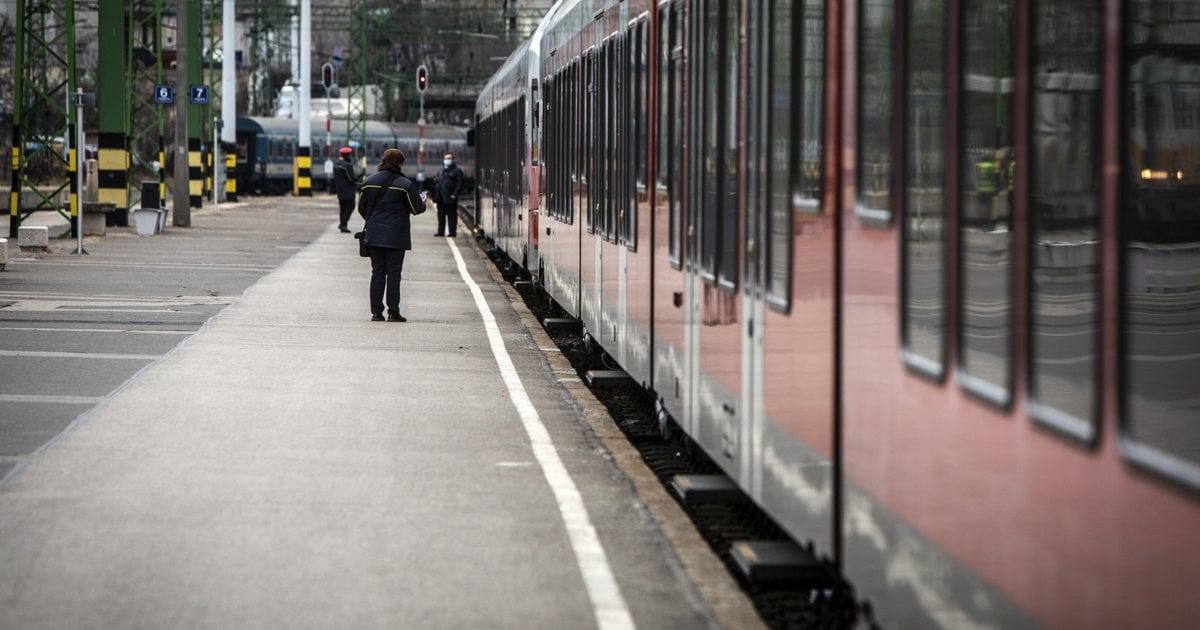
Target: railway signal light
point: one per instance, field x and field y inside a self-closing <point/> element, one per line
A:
<point x="327" y="75"/>
<point x="422" y="78"/>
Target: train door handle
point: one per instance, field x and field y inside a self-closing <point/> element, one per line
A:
<point x="677" y="298"/>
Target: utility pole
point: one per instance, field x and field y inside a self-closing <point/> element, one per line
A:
<point x="229" y="96"/>
<point x="304" y="116"/>
<point x="182" y="202"/>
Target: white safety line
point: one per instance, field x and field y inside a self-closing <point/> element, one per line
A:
<point x="77" y="355"/>
<point x="607" y="603"/>
<point x="98" y="330"/>
<point x="33" y="398"/>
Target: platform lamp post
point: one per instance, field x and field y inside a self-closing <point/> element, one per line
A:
<point x="80" y="100"/>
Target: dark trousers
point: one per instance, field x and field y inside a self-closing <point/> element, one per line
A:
<point x="447" y="218"/>
<point x="386" y="266"/>
<point x="345" y="209"/>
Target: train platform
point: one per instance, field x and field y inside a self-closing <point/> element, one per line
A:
<point x="273" y="458"/>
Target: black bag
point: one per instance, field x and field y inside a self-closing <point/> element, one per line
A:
<point x="363" y="249"/>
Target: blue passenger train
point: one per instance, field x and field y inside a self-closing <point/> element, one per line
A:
<point x="266" y="150"/>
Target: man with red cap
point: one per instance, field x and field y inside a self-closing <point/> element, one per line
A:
<point x="344" y="184"/>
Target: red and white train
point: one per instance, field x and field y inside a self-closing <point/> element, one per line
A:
<point x="921" y="276"/>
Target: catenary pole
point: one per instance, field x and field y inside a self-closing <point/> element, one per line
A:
<point x="304" y="151"/>
<point x="182" y="210"/>
<point x="229" y="93"/>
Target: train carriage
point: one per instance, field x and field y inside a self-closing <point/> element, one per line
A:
<point x="267" y="148"/>
<point x="918" y="276"/>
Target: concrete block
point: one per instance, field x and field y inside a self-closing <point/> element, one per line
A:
<point x="3" y="253"/>
<point x="93" y="224"/>
<point x="34" y="238"/>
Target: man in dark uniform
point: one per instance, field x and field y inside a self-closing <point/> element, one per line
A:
<point x="344" y="180"/>
<point x="446" y="187"/>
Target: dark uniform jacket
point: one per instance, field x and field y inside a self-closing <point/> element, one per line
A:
<point x="448" y="184"/>
<point x="344" y="179"/>
<point x="387" y="210"/>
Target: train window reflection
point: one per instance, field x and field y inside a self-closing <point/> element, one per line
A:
<point x="1064" y="198"/>
<point x="812" y="96"/>
<point x="727" y="258"/>
<point x="1160" y="213"/>
<point x="674" y="106"/>
<point x="712" y="162"/>
<point x="874" y="168"/>
<point x="924" y="184"/>
<point x="986" y="169"/>
<point x="780" y="150"/>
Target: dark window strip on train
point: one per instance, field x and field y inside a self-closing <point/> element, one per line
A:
<point x="923" y="241"/>
<point x="1063" y="179"/>
<point x="1160" y="246"/>
<point x="986" y="167"/>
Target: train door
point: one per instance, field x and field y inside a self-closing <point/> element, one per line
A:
<point x="788" y="302"/>
<point x="714" y="332"/>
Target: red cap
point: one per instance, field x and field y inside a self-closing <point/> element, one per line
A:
<point x="346" y="150"/>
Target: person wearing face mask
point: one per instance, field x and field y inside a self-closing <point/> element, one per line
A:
<point x="446" y="186"/>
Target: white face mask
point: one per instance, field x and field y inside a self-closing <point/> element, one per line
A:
<point x="447" y="163"/>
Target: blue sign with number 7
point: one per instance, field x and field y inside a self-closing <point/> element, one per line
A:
<point x="198" y="94"/>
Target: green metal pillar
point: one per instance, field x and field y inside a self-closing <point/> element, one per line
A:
<point x="44" y="75"/>
<point x="110" y="98"/>
<point x="146" y="123"/>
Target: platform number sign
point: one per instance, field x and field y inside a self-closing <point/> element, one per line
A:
<point x="198" y="94"/>
<point x="164" y="94"/>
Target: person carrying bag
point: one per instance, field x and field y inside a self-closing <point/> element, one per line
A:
<point x="387" y="202"/>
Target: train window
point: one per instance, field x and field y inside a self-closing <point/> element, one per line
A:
<point x="727" y="261"/>
<point x="986" y="171"/>
<point x="621" y="145"/>
<point x="670" y="121"/>
<point x="718" y="173"/>
<point x="811" y="97"/>
<point x="588" y="133"/>
<point x="604" y="180"/>
<point x="924" y="239"/>
<point x="875" y="109"/>
<point x="615" y="155"/>
<point x="639" y="110"/>
<point x="1160" y="248"/>
<point x="781" y="148"/>
<point x="535" y="129"/>
<point x="1064" y="203"/>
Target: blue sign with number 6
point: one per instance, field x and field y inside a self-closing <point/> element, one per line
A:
<point x="164" y="94"/>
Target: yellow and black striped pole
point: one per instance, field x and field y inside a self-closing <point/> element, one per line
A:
<point x="303" y="186"/>
<point x="14" y="196"/>
<point x="231" y="175"/>
<point x="195" y="174"/>
<point x="113" y="174"/>
<point x="71" y="172"/>
<point x="113" y="158"/>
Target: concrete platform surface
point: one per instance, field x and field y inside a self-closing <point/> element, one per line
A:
<point x="294" y="465"/>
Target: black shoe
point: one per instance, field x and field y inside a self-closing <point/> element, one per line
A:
<point x="344" y="229"/>
<point x="377" y="317"/>
<point x="438" y="234"/>
<point x="396" y="318"/>
<point x="453" y="235"/>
